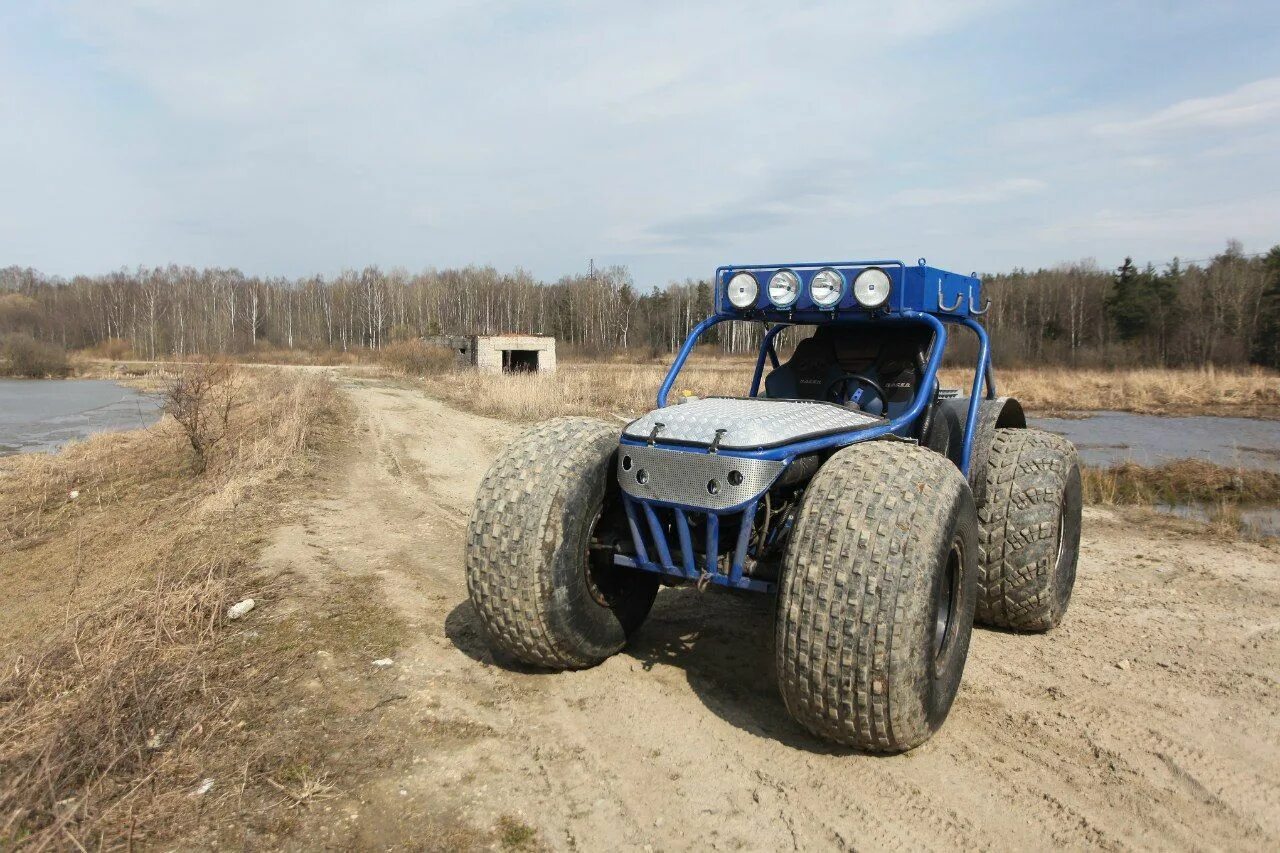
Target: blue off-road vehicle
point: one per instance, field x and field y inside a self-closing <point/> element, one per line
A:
<point x="885" y="513"/>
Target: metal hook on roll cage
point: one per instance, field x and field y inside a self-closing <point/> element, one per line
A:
<point x="973" y="306"/>
<point x="942" y="305"/>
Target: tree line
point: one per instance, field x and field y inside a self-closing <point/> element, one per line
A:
<point x="1223" y="311"/>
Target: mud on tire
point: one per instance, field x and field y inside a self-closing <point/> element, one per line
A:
<point x="865" y="655"/>
<point x="539" y="596"/>
<point x="1029" y="530"/>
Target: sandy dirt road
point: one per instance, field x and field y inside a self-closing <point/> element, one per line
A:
<point x="1150" y="720"/>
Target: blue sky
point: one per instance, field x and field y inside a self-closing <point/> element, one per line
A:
<point x="288" y="138"/>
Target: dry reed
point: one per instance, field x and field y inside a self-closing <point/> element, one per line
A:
<point x="120" y="685"/>
<point x="1182" y="481"/>
<point x="602" y="388"/>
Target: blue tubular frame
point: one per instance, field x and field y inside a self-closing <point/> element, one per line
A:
<point x="654" y="552"/>
<point x="688" y="567"/>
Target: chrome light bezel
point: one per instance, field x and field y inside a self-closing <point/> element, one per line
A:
<point x="795" y="294"/>
<point x="888" y="287"/>
<point x="838" y="294"/>
<point x="755" y="291"/>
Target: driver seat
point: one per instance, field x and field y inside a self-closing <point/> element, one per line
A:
<point x="893" y="357"/>
<point x="807" y="374"/>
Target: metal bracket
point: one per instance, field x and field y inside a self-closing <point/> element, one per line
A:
<point x="653" y="436"/>
<point x="715" y="443"/>
<point x="942" y="305"/>
<point x="973" y="306"/>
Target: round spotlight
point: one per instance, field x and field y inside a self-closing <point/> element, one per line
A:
<point x="784" y="288"/>
<point x="743" y="290"/>
<point x="827" y="288"/>
<point x="871" y="287"/>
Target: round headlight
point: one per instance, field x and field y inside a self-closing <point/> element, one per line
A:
<point x="784" y="288"/>
<point x="871" y="287"/>
<point x="826" y="288"/>
<point x="743" y="290"/>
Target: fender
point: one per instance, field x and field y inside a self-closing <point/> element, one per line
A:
<point x="997" y="413"/>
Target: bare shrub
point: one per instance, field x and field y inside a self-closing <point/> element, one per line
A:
<point x="416" y="358"/>
<point x="115" y="349"/>
<point x="23" y="355"/>
<point x="19" y="313"/>
<point x="201" y="398"/>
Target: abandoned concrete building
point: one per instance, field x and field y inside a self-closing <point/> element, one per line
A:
<point x="501" y="353"/>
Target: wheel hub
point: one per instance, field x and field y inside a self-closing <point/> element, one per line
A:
<point x="945" y="603"/>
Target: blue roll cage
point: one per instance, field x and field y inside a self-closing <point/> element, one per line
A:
<point x="661" y="559"/>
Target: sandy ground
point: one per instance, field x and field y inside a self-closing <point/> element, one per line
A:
<point x="1149" y="720"/>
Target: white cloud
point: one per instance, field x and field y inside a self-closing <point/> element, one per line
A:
<point x="306" y="135"/>
<point x="1253" y="104"/>
<point x="1195" y="227"/>
<point x="968" y="195"/>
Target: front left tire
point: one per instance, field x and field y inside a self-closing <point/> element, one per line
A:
<point x="544" y="594"/>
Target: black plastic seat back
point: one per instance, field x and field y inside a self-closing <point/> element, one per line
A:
<point x="807" y="374"/>
<point x="894" y="356"/>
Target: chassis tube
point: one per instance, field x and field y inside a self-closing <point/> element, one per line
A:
<point x="981" y="372"/>
<point x="683" y="355"/>
<point x="766" y="348"/>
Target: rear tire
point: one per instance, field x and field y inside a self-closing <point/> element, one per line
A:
<point x="541" y="596"/>
<point x="875" y="603"/>
<point x="1029" y="530"/>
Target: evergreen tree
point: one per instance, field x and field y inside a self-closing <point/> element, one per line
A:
<point x="1266" y="350"/>
<point x="1128" y="304"/>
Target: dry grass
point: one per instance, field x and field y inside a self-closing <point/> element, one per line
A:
<point x="415" y="358"/>
<point x="1215" y="496"/>
<point x="1245" y="392"/>
<point x="1183" y="481"/>
<point x="595" y="389"/>
<point x="603" y="388"/>
<point x="121" y="688"/>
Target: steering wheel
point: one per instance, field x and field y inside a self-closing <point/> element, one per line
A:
<point x="841" y="383"/>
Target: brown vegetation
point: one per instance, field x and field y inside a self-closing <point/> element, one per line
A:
<point x="1224" y="310"/>
<point x="23" y="356"/>
<point x="1182" y="481"/>
<point x="115" y="349"/>
<point x="629" y="389"/>
<point x="122" y="687"/>
<point x="201" y="398"/>
<point x="415" y="358"/>
<point x="1244" y="392"/>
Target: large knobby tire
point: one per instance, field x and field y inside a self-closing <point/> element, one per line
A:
<point x="1029" y="530"/>
<point x="541" y="597"/>
<point x="875" y="603"/>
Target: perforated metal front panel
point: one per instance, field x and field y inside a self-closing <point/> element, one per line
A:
<point x="682" y="477"/>
<point x="747" y="423"/>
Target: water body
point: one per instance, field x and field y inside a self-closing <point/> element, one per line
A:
<point x="44" y="414"/>
<point x="1108" y="438"/>
<point x="1257" y="520"/>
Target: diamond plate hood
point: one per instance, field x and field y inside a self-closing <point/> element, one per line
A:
<point x="747" y="423"/>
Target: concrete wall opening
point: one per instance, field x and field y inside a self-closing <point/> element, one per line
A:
<point x="501" y="353"/>
<point x="519" y="361"/>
